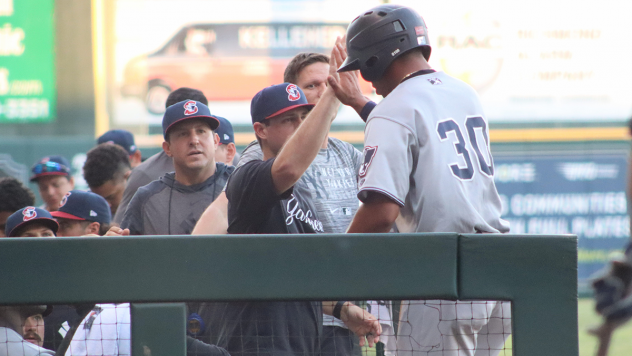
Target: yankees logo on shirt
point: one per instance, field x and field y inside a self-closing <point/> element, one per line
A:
<point x="294" y="211"/>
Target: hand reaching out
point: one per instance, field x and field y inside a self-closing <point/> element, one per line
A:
<point x="346" y="85"/>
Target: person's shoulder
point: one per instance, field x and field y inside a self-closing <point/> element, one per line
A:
<point x="224" y="169"/>
<point x="154" y="187"/>
<point x="342" y="145"/>
<point x="250" y="166"/>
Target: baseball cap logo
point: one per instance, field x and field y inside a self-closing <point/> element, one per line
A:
<point x="226" y="137"/>
<point x="293" y="92"/>
<point x="64" y="200"/>
<point x="190" y="107"/>
<point x="29" y="213"/>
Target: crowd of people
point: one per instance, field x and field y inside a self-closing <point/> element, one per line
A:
<point x="294" y="178"/>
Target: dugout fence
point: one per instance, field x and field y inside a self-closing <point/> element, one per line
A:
<point x="538" y="274"/>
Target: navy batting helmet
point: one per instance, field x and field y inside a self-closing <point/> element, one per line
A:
<point x="381" y="34"/>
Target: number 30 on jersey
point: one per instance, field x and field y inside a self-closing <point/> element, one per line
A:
<point x="472" y="125"/>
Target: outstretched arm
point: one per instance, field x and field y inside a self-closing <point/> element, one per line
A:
<point x="214" y="220"/>
<point x="302" y="147"/>
<point x="361" y="322"/>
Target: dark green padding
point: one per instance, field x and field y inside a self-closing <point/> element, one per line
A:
<point x="158" y="329"/>
<point x="539" y="275"/>
<point x="178" y="268"/>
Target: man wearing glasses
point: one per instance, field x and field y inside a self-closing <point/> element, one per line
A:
<point x="52" y="174"/>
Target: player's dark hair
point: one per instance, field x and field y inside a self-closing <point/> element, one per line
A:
<point x="185" y="93"/>
<point x="299" y="62"/>
<point x="14" y="195"/>
<point x="105" y="162"/>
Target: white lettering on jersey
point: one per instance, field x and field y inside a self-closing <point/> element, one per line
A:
<point x="294" y="212"/>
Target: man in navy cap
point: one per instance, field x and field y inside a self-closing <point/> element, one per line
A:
<point x="82" y="213"/>
<point x="157" y="165"/>
<point x="31" y="222"/>
<point x="124" y="139"/>
<point x="52" y="174"/>
<point x="226" y="150"/>
<point x="173" y="204"/>
<point x="266" y="197"/>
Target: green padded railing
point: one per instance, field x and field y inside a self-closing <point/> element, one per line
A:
<point x="537" y="273"/>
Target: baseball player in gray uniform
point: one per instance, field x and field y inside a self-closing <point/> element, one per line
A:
<point x="427" y="167"/>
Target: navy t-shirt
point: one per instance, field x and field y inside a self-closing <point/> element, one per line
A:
<point x="266" y="328"/>
<point x="254" y="207"/>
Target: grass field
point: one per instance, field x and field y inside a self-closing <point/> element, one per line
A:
<point x="621" y="344"/>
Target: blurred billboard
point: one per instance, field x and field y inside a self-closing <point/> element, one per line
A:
<point x="547" y="61"/>
<point x="27" y="61"/>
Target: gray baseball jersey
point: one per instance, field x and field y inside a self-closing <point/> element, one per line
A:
<point x="426" y="147"/>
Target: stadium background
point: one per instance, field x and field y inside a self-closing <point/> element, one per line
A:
<point x="550" y="74"/>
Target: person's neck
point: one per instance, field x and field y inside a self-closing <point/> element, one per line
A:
<point x="187" y="176"/>
<point x="267" y="152"/>
<point x="403" y="69"/>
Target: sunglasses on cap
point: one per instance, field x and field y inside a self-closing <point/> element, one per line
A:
<point x="50" y="167"/>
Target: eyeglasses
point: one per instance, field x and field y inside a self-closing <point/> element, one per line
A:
<point x="50" y="167"/>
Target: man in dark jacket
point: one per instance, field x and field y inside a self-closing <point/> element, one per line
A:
<point x="173" y="204"/>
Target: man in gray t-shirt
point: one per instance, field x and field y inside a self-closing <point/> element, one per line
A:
<point x="332" y="180"/>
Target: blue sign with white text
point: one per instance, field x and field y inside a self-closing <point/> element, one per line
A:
<point x="582" y="195"/>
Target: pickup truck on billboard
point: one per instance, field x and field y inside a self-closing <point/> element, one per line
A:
<point x="226" y="61"/>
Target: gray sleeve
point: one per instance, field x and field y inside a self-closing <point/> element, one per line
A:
<point x="387" y="160"/>
<point x="136" y="180"/>
<point x="250" y="153"/>
<point x="133" y="217"/>
<point x="198" y="348"/>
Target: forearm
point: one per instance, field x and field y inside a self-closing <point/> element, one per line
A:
<point x="328" y="307"/>
<point x="375" y="216"/>
<point x="302" y="147"/>
<point x="214" y="220"/>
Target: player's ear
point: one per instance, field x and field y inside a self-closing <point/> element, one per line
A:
<point x="71" y="179"/>
<point x="260" y="130"/>
<point x="93" y="228"/>
<point x="231" y="151"/>
<point x="216" y="139"/>
<point x="136" y="158"/>
<point x="167" y="148"/>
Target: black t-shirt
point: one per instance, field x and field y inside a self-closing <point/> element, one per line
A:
<point x="255" y="208"/>
<point x="266" y="328"/>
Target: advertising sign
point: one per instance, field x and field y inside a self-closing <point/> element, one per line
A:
<point x="27" y="66"/>
<point x="575" y="194"/>
<point x="548" y="61"/>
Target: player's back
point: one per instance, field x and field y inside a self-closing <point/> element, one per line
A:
<point x="440" y="145"/>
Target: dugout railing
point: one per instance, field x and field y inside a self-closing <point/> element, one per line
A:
<point x="538" y="274"/>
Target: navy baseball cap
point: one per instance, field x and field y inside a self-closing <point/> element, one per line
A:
<point x="85" y="206"/>
<point x="225" y="131"/>
<point x="28" y="215"/>
<point x="50" y="166"/>
<point x="187" y="109"/>
<point x="122" y="138"/>
<point x="275" y="100"/>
